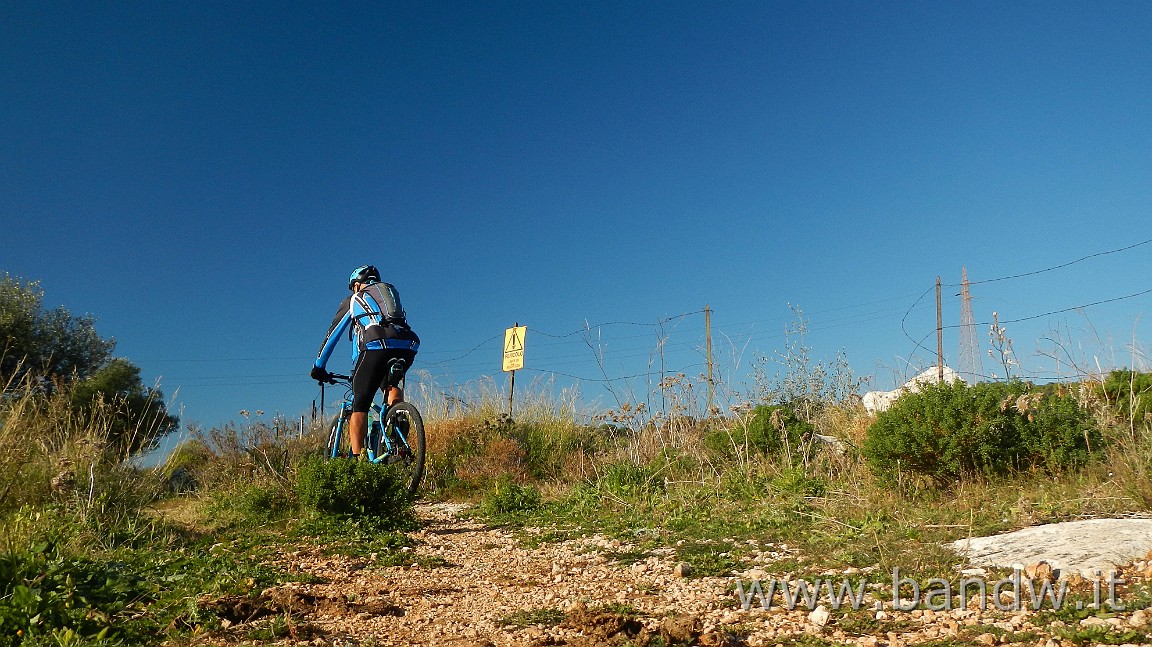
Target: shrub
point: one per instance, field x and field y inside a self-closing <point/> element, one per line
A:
<point x="627" y="480"/>
<point x="1129" y="394"/>
<point x="947" y="431"/>
<point x="771" y="430"/>
<point x="509" y="498"/>
<point x="354" y="488"/>
<point x="234" y="455"/>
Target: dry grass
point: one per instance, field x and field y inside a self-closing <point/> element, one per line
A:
<point x="473" y="443"/>
<point x="50" y="452"/>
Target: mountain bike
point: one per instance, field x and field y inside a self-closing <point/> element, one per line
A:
<point x="395" y="435"/>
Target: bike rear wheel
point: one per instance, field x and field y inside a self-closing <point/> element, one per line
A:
<point x="406" y="428"/>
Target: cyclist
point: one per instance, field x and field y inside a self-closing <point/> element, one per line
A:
<point x="383" y="349"/>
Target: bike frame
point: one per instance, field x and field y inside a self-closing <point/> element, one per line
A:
<point x="376" y="432"/>
<point x="395" y="434"/>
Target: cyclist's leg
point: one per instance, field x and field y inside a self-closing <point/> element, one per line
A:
<point x="370" y="372"/>
<point x="391" y="386"/>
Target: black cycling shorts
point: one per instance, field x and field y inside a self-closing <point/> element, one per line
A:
<point x="371" y="374"/>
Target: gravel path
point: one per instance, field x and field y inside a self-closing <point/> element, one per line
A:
<point x="482" y="586"/>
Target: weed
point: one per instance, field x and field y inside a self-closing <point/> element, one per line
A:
<point x="864" y="623"/>
<point x="710" y="560"/>
<point x="1100" y="635"/>
<point x="768" y="430"/>
<point x="358" y="536"/>
<point x="627" y="557"/>
<point x="617" y="608"/>
<point x="805" y="640"/>
<point x="551" y="536"/>
<point x="56" y="590"/>
<point x="547" y="617"/>
<point x="508" y="499"/>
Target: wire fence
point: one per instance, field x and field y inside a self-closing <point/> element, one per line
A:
<point x="640" y="354"/>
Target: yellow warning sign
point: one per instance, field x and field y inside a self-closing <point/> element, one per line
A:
<point x="514" y="348"/>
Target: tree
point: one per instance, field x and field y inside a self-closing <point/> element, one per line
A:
<point x="135" y="415"/>
<point x="48" y="344"/>
<point x="51" y="349"/>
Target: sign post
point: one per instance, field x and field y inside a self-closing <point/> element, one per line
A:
<point x="513" y="356"/>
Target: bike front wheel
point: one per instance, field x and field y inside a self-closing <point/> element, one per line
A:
<point x="406" y="428"/>
<point x="338" y="445"/>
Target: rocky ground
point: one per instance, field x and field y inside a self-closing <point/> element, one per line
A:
<point x="468" y="584"/>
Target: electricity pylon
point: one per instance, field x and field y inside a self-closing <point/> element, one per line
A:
<point x="971" y="362"/>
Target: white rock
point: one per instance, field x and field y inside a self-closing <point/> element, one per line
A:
<point x="1093" y="621"/>
<point x="756" y="574"/>
<point x="1083" y="547"/>
<point x="819" y="616"/>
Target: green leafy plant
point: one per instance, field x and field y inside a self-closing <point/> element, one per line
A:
<point x="1130" y="396"/>
<point x="946" y="431"/>
<point x="508" y="498"/>
<point x="528" y="617"/>
<point x="773" y="430"/>
<point x="355" y="488"/>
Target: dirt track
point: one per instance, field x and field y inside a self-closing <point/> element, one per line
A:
<point x="484" y="587"/>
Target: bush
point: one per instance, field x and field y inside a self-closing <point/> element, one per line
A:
<point x="947" y="431"/>
<point x="626" y="479"/>
<point x="771" y="430"/>
<point x="509" y="498"/>
<point x="355" y="488"/>
<point x="1129" y="394"/>
<point x="232" y="455"/>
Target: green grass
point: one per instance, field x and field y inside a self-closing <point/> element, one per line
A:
<point x="711" y="559"/>
<point x="149" y="581"/>
<point x="121" y="593"/>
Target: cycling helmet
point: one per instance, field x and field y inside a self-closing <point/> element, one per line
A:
<point x="364" y="274"/>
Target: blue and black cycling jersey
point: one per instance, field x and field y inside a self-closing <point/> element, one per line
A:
<point x="365" y="316"/>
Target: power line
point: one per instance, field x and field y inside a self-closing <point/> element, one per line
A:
<point x="683" y="369"/>
<point x="904" y="329"/>
<point x="920" y="344"/>
<point x="1070" y="309"/>
<point x="473" y="350"/>
<point x="1057" y="267"/>
<point x="588" y="327"/>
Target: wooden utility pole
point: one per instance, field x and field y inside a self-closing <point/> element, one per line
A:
<point x="708" y="343"/>
<point x="511" y="390"/>
<point x="939" y="335"/>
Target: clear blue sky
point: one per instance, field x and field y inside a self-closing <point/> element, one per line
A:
<point x="203" y="176"/>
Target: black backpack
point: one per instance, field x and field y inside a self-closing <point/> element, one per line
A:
<point x="389" y="313"/>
